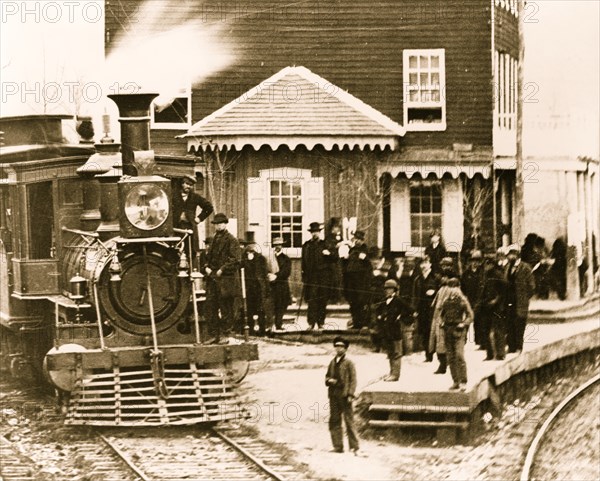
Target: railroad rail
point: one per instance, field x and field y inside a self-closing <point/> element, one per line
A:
<point x="533" y="448"/>
<point x="212" y="454"/>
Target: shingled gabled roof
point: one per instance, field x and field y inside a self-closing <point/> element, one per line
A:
<point x="295" y="107"/>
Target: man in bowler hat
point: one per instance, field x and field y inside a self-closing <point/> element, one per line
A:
<point x="391" y="314"/>
<point x="341" y="383"/>
<point x="316" y="275"/>
<point x="223" y="275"/>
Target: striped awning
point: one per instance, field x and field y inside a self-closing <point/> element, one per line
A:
<point x="441" y="168"/>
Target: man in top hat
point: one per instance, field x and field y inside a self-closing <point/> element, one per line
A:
<point x="256" y="280"/>
<point x="436" y="251"/>
<point x="317" y="276"/>
<point x="521" y="286"/>
<point x="223" y="275"/>
<point x="426" y="286"/>
<point x="472" y="282"/>
<point x="391" y="314"/>
<point x="341" y="383"/>
<point x="280" y="289"/>
<point x="358" y="273"/>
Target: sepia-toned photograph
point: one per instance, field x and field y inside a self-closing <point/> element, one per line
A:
<point x="293" y="240"/>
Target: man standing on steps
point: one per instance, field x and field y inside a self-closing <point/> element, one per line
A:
<point x="358" y="275"/>
<point x="341" y="383"/>
<point x="390" y="314"/>
<point x="317" y="273"/>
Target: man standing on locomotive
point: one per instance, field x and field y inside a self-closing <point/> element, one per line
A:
<point x="185" y="206"/>
<point x="223" y="276"/>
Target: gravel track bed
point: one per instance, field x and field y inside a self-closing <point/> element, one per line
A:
<point x="571" y="447"/>
<point x="52" y="451"/>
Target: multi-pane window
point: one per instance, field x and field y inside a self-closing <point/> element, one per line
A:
<point x="506" y="91"/>
<point x="425" y="210"/>
<point x="424" y="89"/>
<point x="286" y="212"/>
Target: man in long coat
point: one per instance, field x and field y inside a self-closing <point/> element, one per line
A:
<point x="280" y="288"/>
<point x="257" y="284"/>
<point x="358" y="275"/>
<point x="493" y="308"/>
<point x="521" y="286"/>
<point x="223" y="275"/>
<point x="391" y="314"/>
<point x="317" y="275"/>
<point x="427" y="284"/>
<point x="341" y="386"/>
<point x="472" y="281"/>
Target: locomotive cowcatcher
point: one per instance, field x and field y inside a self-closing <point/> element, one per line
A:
<point x="97" y="288"/>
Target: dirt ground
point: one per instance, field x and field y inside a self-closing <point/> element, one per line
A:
<point x="286" y="397"/>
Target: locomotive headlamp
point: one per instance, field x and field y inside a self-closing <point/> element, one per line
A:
<point x="183" y="265"/>
<point x="147" y="206"/>
<point x="115" y="268"/>
<point x="77" y="284"/>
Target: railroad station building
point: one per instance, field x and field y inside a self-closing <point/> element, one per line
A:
<point x="397" y="118"/>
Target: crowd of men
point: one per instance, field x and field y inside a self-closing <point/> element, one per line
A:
<point x="423" y="304"/>
<point x="410" y="304"/>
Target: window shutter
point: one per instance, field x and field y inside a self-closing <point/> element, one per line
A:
<point x="257" y="210"/>
<point x="400" y="215"/>
<point x="452" y="214"/>
<point x="313" y="209"/>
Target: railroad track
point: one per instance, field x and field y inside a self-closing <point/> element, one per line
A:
<point x="35" y="444"/>
<point x="193" y="455"/>
<point x="534" y="449"/>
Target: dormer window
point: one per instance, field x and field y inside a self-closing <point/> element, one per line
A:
<point x="424" y="89"/>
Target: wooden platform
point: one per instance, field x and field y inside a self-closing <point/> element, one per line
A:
<point x="422" y="399"/>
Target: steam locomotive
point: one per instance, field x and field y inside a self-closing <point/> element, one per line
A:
<point x="96" y="285"/>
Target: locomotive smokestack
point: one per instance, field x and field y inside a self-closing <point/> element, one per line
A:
<point x="134" y="111"/>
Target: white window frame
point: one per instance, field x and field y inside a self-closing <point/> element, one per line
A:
<point x="505" y="105"/>
<point x="301" y="213"/>
<point x="408" y="87"/>
<point x="426" y="183"/>
<point x="312" y="204"/>
<point x="183" y="93"/>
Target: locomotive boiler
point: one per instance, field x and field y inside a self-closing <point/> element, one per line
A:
<point x="122" y="317"/>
